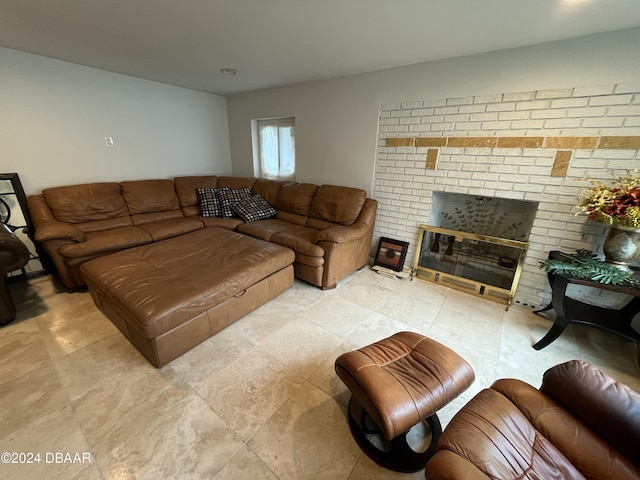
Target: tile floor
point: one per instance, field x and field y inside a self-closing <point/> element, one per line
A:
<point x="259" y="400"/>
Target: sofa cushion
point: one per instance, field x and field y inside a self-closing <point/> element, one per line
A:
<point x="86" y="203"/>
<point x="561" y="427"/>
<point x="268" y="188"/>
<point x="610" y="408"/>
<point x="209" y="202"/>
<point x="491" y="438"/>
<point x="264" y="229"/>
<point x="109" y="223"/>
<point x="253" y="208"/>
<point x="146" y="196"/>
<point x="338" y="204"/>
<point x="296" y="198"/>
<point x="171" y="228"/>
<point x="298" y="239"/>
<point x="295" y="237"/>
<point x="142" y="218"/>
<point x="106" y="241"/>
<point x="229" y="197"/>
<point x="186" y="188"/>
<point x="227" y="223"/>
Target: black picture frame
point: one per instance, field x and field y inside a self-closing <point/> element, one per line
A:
<point x="391" y="254"/>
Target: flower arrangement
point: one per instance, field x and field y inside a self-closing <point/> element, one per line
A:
<point x="616" y="205"/>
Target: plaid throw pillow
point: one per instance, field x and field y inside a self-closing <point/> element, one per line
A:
<point x="228" y="198"/>
<point x="254" y="208"/>
<point x="209" y="202"/>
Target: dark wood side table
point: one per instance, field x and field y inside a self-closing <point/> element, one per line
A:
<point x="569" y="310"/>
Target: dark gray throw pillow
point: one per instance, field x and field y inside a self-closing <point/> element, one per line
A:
<point x="209" y="202"/>
<point x="229" y="197"/>
<point x="254" y="208"/>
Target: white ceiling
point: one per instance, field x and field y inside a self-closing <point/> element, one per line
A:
<point x="282" y="42"/>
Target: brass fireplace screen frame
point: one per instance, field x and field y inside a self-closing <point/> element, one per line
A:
<point x="464" y="244"/>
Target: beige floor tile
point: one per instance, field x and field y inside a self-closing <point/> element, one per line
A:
<point x="21" y="350"/>
<point x="368" y="289"/>
<point x="299" y="298"/>
<point x="307" y="438"/>
<point x="337" y="314"/>
<point x="325" y="377"/>
<point x="49" y="439"/>
<point x="376" y="327"/>
<point x="112" y="412"/>
<point x="211" y="356"/>
<point x="249" y="391"/>
<point x="90" y="473"/>
<point x="261" y="323"/>
<point x="105" y="362"/>
<point x="29" y="397"/>
<point x="64" y="307"/>
<point x="188" y="441"/>
<point x="245" y="465"/>
<point x="302" y="346"/>
<point x="414" y="303"/>
<point x="77" y="332"/>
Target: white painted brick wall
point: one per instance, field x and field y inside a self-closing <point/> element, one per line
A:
<point x="404" y="187"/>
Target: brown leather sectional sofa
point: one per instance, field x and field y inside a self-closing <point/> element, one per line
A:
<point x="328" y="227"/>
<point x="580" y="424"/>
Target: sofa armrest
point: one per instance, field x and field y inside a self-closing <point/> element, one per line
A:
<point x="609" y="408"/>
<point x="57" y="230"/>
<point x="46" y="226"/>
<point x="340" y="234"/>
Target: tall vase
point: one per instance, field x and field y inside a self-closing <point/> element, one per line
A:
<point x="621" y="246"/>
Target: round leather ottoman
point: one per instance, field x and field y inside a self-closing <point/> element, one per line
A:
<point x="397" y="385"/>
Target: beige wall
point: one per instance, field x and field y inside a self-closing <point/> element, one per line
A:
<point x="54" y="116"/>
<point x="336" y="120"/>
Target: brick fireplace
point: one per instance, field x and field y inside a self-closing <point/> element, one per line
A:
<point x="532" y="146"/>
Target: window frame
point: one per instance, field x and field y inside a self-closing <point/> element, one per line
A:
<point x="258" y="125"/>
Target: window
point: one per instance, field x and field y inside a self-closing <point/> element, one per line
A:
<point x="276" y="147"/>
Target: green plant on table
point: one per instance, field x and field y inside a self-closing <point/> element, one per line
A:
<point x="586" y="264"/>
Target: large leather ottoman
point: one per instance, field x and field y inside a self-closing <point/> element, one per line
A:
<point x="397" y="384"/>
<point x="170" y="296"/>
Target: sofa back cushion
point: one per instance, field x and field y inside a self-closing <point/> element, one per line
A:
<point x="573" y="439"/>
<point x="268" y="189"/>
<point x="236" y="183"/>
<point x="107" y="224"/>
<point x="86" y="202"/>
<point x="148" y="196"/>
<point x="337" y="204"/>
<point x="296" y="198"/>
<point x="609" y="408"/>
<point x="186" y="188"/>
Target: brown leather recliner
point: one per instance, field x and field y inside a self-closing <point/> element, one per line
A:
<point x="580" y="424"/>
<point x="13" y="255"/>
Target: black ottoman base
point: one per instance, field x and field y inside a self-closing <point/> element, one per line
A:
<point x="397" y="454"/>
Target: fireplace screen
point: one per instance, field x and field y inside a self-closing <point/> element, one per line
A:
<point x="482" y="265"/>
